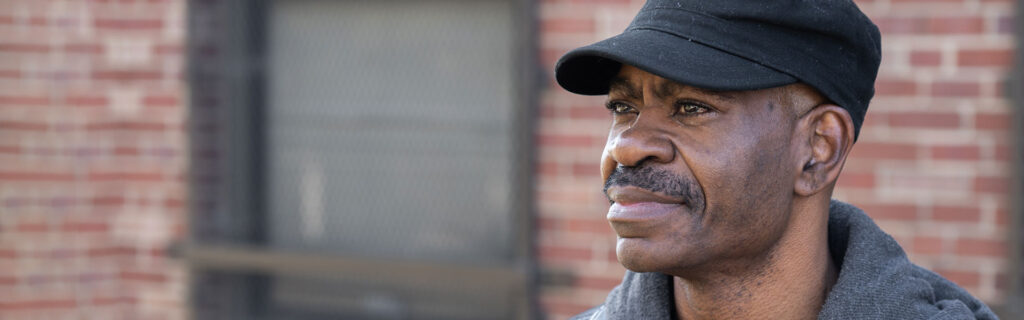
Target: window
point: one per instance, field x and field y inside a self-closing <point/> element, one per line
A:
<point x="360" y="159"/>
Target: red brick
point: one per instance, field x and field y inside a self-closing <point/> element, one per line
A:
<point x="956" y="152"/>
<point x="127" y="75"/>
<point x="143" y="276"/>
<point x="10" y="150"/>
<point x="568" y="140"/>
<point x="985" y="58"/>
<point x="586" y="169"/>
<point x="923" y="119"/>
<point x="6" y="281"/>
<point x="126" y="151"/>
<point x="24" y="100"/>
<point x="567" y="25"/>
<point x="889" y="87"/>
<point x="548" y="57"/>
<point x="24" y="47"/>
<point x="925" y="58"/>
<point x="129" y="24"/>
<point x="856" y="180"/>
<point x="880" y="150"/>
<point x="563" y="196"/>
<point x="980" y="247"/>
<point x="168" y="49"/>
<point x="126" y="125"/>
<point x="891" y="211"/>
<point x="992" y="184"/>
<point x="548" y="112"/>
<point x="547" y="169"/>
<point x="1003" y="153"/>
<point x="160" y="101"/>
<point x="32" y="227"/>
<point x="612" y="256"/>
<point x="564" y="253"/>
<point x="962" y="278"/>
<point x="158" y="252"/>
<point x="126" y="176"/>
<point x="955" y="89"/>
<point x="10" y="74"/>
<point x="930" y="25"/>
<point x="927" y="245"/>
<point x="38" y="21"/>
<point x="1002" y="217"/>
<point x="992" y="121"/>
<point x="588" y="225"/>
<point x="955" y="25"/>
<point x="84" y="227"/>
<point x="548" y="223"/>
<point x="35" y="176"/>
<point x="598" y="283"/>
<point x="107" y="201"/>
<point x="602" y="2"/>
<point x="892" y="25"/>
<point x="174" y="203"/>
<point x="106" y="301"/>
<point x="589" y="112"/>
<point x="954" y="214"/>
<point x="110" y="251"/>
<point x="37" y="304"/>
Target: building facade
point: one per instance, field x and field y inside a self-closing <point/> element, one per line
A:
<point x="149" y="168"/>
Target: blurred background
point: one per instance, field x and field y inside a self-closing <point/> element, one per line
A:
<point x="413" y="159"/>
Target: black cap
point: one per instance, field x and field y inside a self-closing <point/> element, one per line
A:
<point x="740" y="45"/>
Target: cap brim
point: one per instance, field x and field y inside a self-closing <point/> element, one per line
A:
<point x="589" y="69"/>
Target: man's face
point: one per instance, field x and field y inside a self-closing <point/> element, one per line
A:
<point x="699" y="180"/>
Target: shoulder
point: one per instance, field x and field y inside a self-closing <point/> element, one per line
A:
<point x="877" y="281"/>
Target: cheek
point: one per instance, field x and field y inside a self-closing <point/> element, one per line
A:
<point x="751" y="197"/>
<point x="607" y="163"/>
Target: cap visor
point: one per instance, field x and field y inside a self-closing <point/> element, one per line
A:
<point x="587" y="70"/>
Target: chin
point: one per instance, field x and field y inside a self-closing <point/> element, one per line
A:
<point x="641" y="255"/>
<point x="636" y="257"/>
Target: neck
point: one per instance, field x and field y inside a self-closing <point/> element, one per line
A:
<point x="790" y="282"/>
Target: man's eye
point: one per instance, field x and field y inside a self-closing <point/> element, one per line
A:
<point x="692" y="109"/>
<point x="619" y="108"/>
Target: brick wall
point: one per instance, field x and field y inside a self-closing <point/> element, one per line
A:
<point x="92" y="153"/>
<point x="932" y="164"/>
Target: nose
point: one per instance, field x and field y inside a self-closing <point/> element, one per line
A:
<point x="640" y="143"/>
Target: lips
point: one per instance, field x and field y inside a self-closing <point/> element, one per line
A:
<point x="637" y="210"/>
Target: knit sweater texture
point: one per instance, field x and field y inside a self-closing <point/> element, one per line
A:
<point x="876" y="281"/>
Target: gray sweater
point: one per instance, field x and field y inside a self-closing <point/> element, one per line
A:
<point x="876" y="281"/>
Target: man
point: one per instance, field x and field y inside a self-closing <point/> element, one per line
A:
<point x="731" y="123"/>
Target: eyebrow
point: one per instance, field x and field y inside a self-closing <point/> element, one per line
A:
<point x="667" y="89"/>
<point x="621" y="85"/>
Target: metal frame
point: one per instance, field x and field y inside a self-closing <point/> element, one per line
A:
<point x="1011" y="309"/>
<point x="237" y="72"/>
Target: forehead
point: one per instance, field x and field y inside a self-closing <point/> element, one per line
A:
<point x="630" y="80"/>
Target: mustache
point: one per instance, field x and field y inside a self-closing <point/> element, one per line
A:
<point x="656" y="180"/>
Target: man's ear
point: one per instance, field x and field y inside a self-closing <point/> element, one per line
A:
<point x="825" y="138"/>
